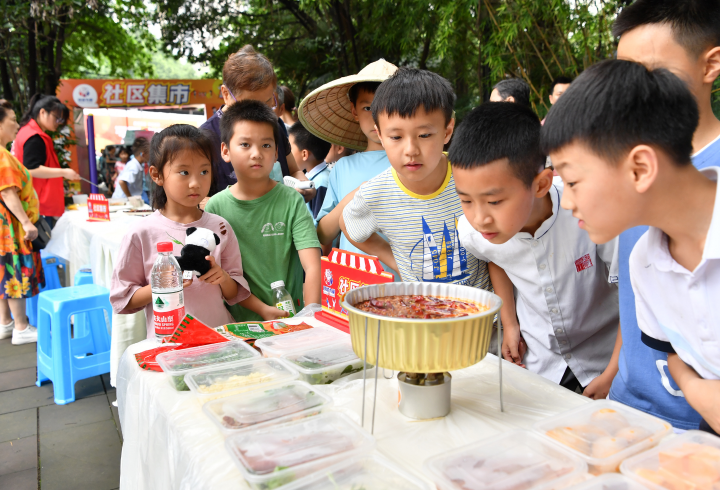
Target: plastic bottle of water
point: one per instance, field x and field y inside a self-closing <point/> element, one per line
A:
<point x="283" y="300"/>
<point x="166" y="283"/>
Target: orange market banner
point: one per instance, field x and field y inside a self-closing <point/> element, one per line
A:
<point x="142" y="93"/>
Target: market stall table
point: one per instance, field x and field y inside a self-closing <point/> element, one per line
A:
<point x="81" y="242"/>
<point x="170" y="443"/>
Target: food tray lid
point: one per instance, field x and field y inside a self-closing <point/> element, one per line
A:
<point x="181" y="361"/>
<point x="300" y="341"/>
<point x="609" y="481"/>
<point x="505" y="461"/>
<point x="239" y="376"/>
<point x="323" y="358"/>
<point x="363" y="472"/>
<point x="604" y="431"/>
<point x="680" y="460"/>
<point x="311" y="442"/>
<point x="262" y="405"/>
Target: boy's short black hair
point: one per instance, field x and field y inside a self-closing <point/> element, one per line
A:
<point x="515" y="87"/>
<point x="247" y="110"/>
<point x="498" y="130"/>
<point x="561" y="80"/>
<point x="305" y="140"/>
<point x="410" y="88"/>
<point x="354" y="92"/>
<point x="695" y="23"/>
<point x="616" y="105"/>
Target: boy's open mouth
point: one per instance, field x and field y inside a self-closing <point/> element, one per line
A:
<point x="413" y="165"/>
<point x="489" y="236"/>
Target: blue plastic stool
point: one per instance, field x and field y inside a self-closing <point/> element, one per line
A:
<point x="52" y="281"/>
<point x="83" y="276"/>
<point x="57" y="356"/>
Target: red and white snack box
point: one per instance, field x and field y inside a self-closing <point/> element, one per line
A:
<point x="98" y="208"/>
<point x="343" y="271"/>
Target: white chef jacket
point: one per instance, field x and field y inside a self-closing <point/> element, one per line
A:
<point x="566" y="303"/>
<point x="676" y="305"/>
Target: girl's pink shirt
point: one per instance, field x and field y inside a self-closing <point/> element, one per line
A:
<point x="137" y="255"/>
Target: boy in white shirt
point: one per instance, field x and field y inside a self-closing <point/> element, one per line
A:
<point x="621" y="138"/>
<point x="567" y="310"/>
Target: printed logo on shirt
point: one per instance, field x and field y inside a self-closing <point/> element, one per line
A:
<point x="269" y="229"/>
<point x="444" y="263"/>
<point x="584" y="262"/>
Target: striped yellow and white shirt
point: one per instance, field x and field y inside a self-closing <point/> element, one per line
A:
<point x="421" y="230"/>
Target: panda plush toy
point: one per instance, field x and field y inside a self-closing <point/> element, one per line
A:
<point x="199" y="243"/>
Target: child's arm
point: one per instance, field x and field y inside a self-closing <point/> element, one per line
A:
<point x="140" y="298"/>
<point x="375" y="245"/>
<point x="513" y="345"/>
<point x="329" y="225"/>
<point x="310" y="260"/>
<point x="702" y="394"/>
<point x="217" y="276"/>
<point x="267" y="312"/>
<point x="600" y="386"/>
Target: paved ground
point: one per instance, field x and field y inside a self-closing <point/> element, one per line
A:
<point x="55" y="447"/>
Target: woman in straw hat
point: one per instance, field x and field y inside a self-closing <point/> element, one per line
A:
<point x="339" y="112"/>
<point x="248" y="75"/>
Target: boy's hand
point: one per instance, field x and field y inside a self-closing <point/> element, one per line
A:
<point x="272" y="313"/>
<point x="513" y="345"/>
<point x="216" y="275"/>
<point x="599" y="387"/>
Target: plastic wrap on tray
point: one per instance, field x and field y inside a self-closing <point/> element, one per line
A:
<point x="178" y="363"/>
<point x="516" y="460"/>
<point x="291" y="343"/>
<point x="609" y="481"/>
<point x="218" y="382"/>
<point x="277" y="404"/>
<point x="371" y="472"/>
<point x="604" y="433"/>
<point x="690" y="461"/>
<point x="280" y="454"/>
<point x="326" y="364"/>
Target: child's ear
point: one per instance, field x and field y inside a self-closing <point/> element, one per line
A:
<point x="448" y="130"/>
<point x="642" y="166"/>
<point x="354" y="111"/>
<point x="305" y="155"/>
<point x="225" y="152"/>
<point x="542" y="182"/>
<point x="155" y="175"/>
<point x="712" y="65"/>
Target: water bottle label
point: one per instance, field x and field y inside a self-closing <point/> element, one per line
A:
<point x="168" y="311"/>
<point x="286" y="306"/>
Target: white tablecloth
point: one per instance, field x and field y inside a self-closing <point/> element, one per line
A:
<point x="82" y="243"/>
<point x="170" y="443"/>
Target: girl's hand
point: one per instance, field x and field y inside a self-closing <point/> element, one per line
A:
<point x="216" y="275"/>
<point x="70" y="174"/>
<point x="31" y="232"/>
<point x="272" y="313"/>
<point x="187" y="283"/>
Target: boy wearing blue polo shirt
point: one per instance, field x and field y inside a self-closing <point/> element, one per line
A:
<point x="621" y="138"/>
<point x="684" y="37"/>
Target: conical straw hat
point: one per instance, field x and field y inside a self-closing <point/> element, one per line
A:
<point x="327" y="113"/>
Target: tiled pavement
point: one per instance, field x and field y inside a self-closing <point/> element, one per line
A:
<point x="55" y="447"/>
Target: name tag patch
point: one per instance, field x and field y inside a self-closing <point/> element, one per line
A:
<point x="584" y="262"/>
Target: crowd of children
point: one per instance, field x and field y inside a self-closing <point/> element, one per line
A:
<point x="609" y="278"/>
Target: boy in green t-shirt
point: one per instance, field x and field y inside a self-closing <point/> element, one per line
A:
<point x="274" y="229"/>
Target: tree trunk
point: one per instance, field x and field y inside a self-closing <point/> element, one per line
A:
<point x="429" y="31"/>
<point x="6" y="85"/>
<point x="32" y="59"/>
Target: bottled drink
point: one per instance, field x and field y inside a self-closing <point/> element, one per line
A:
<point x="283" y="300"/>
<point x="167" y="291"/>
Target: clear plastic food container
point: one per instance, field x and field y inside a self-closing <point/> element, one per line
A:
<point x="371" y="472"/>
<point x="263" y="406"/>
<point x="609" y="481"/>
<point x="516" y="460"/>
<point x="690" y="461"/>
<point x="304" y="340"/>
<point x="326" y="364"/>
<point x="280" y="454"/>
<point x="218" y="382"/>
<point x="604" y="433"/>
<point x="178" y="363"/>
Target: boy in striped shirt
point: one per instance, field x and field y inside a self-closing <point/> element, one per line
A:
<point x="414" y="203"/>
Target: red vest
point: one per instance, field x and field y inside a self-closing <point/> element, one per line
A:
<point x="51" y="192"/>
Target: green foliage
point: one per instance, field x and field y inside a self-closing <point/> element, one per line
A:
<point x="473" y="43"/>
